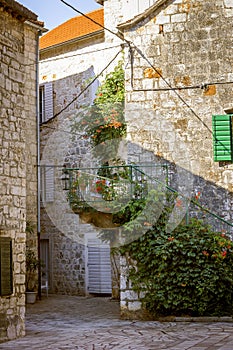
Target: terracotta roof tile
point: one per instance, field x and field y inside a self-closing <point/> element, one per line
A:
<point x="73" y="28"/>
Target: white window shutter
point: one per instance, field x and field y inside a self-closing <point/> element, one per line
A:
<point x="99" y="267"/>
<point x="49" y="184"/>
<point x="48" y="100"/>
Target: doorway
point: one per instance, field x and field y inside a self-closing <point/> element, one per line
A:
<point x="98" y="267"/>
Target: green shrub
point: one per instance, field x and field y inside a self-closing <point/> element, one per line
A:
<point x="188" y="272"/>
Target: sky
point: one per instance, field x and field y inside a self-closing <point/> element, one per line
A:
<point x="54" y="12"/>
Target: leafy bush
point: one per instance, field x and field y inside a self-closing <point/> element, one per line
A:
<point x="188" y="272"/>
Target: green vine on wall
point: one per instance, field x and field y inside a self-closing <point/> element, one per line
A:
<point x="104" y="125"/>
<point x="104" y="120"/>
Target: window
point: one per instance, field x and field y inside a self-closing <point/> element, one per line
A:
<point x="6" y="274"/>
<point x="46" y="102"/>
<point x="47" y="183"/>
<point x="222" y="137"/>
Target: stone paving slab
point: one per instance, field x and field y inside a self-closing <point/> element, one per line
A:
<point x="79" y="323"/>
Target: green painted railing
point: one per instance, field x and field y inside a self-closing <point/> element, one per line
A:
<point x="107" y="188"/>
<point x="196" y="210"/>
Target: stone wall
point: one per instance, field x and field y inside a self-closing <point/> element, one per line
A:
<point x="30" y="110"/>
<point x="18" y="113"/>
<point x="123" y="11"/>
<point x="181" y="43"/>
<point x="70" y="68"/>
<point x="59" y="224"/>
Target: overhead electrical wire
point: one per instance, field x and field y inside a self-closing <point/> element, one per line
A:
<point x="70" y="56"/>
<point x="169" y="85"/>
<point x="119" y="34"/>
<point x="78" y="54"/>
<point x="202" y="86"/>
<point x="130" y="45"/>
<point x="87" y="87"/>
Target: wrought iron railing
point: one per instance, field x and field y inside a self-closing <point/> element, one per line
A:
<point x="195" y="210"/>
<point x="109" y="188"/>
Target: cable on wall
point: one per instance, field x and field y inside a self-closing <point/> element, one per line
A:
<point x="130" y="44"/>
<point x="87" y="87"/>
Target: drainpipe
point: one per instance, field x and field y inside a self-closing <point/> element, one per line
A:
<point x="38" y="160"/>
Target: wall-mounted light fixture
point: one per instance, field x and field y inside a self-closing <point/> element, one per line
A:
<point x="65" y="178"/>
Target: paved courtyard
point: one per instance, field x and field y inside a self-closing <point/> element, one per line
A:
<point x="70" y="323"/>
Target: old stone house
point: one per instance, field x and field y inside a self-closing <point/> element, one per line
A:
<point x="70" y="55"/>
<point x="178" y="92"/>
<point x="19" y="40"/>
<point x="179" y="100"/>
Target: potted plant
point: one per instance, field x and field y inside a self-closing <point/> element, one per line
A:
<point x="32" y="264"/>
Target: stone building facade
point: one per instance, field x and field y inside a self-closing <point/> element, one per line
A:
<point x="18" y="176"/>
<point x="61" y="229"/>
<point x="67" y="66"/>
<point x="179" y="76"/>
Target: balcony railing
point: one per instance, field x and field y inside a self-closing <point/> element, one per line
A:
<point x="110" y="188"/>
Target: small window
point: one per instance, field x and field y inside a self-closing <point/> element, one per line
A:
<point x="6" y="273"/>
<point x="47" y="183"/>
<point x="41" y="104"/>
<point x="46" y="102"/>
<point x="222" y="137"/>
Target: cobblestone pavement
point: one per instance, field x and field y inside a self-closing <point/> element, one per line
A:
<point x="79" y="323"/>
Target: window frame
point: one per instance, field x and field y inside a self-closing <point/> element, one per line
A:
<point x="6" y="272"/>
<point x="222" y="137"/>
<point x="46" y="102"/>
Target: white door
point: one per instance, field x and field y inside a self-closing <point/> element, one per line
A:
<point x="99" y="279"/>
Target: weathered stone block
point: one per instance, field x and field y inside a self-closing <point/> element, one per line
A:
<point x="180" y="17"/>
<point x="134" y="306"/>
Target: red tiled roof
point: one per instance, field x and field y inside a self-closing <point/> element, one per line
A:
<point x="73" y="28"/>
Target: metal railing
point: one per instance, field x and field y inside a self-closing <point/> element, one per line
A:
<point x="196" y="210"/>
<point x="109" y="188"/>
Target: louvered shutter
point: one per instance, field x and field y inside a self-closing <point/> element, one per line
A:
<point x="49" y="184"/>
<point x="99" y="267"/>
<point x="6" y="273"/>
<point x="48" y="101"/>
<point x="222" y="137"/>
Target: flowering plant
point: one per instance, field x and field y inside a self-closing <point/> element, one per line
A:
<point x="188" y="272"/>
<point x="100" y="186"/>
<point x="104" y="120"/>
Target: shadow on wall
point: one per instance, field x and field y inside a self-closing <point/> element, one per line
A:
<point x="67" y="270"/>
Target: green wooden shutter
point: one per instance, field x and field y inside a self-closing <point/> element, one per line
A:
<point x="6" y="274"/>
<point x="222" y="137"/>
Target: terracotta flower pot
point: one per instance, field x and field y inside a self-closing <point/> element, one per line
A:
<point x="31" y="297"/>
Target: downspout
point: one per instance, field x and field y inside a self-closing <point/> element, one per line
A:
<point x="38" y="160"/>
